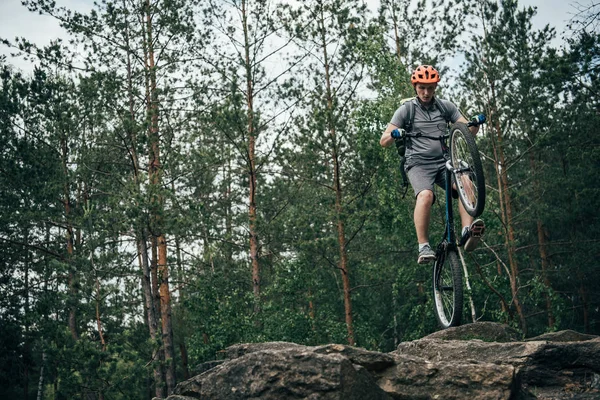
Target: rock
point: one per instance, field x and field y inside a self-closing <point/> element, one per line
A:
<point x="287" y="373"/>
<point x="371" y="360"/>
<point x="547" y="369"/>
<point x="418" y="378"/>
<point x="239" y="350"/>
<point x="205" y="366"/>
<point x="486" y="331"/>
<point x="475" y="361"/>
<point x="563" y="336"/>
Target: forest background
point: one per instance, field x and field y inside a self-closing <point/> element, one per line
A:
<point x="179" y="176"/>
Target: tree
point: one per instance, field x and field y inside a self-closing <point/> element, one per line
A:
<point x="329" y="31"/>
<point x="252" y="134"/>
<point x="571" y="145"/>
<point x="515" y="65"/>
<point x="121" y="38"/>
<point x="423" y="31"/>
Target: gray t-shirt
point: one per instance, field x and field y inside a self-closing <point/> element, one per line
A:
<point x="429" y="122"/>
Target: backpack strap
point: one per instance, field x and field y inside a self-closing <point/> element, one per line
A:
<point x="401" y="143"/>
<point x="410" y="116"/>
<point x="443" y="109"/>
<point x="411" y="106"/>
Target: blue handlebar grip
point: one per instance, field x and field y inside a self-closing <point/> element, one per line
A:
<point x="397" y="134"/>
<point x="478" y="119"/>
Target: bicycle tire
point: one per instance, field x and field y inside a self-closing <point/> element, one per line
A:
<point x="447" y="289"/>
<point x="468" y="175"/>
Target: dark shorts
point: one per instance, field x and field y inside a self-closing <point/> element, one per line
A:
<point x="423" y="176"/>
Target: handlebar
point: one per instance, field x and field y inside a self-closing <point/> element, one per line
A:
<point x="400" y="133"/>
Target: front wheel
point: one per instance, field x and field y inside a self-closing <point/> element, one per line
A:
<point x="447" y="288"/>
<point x="468" y="171"/>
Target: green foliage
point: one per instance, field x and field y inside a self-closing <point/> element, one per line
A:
<point x="539" y="140"/>
<point x="80" y="139"/>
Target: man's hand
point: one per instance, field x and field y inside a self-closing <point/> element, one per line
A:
<point x="398" y="133"/>
<point x="474" y="128"/>
<point x="387" y="138"/>
<point x="478" y="119"/>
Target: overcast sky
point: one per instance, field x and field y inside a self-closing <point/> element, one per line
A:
<point x="16" y="20"/>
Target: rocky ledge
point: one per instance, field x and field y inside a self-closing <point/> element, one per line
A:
<point x="475" y="361"/>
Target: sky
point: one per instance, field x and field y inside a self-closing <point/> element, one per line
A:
<point x="16" y="20"/>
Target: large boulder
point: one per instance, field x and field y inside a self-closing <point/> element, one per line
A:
<point x="294" y="372"/>
<point x="475" y="361"/>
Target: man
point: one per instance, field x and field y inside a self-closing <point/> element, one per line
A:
<point x="425" y="160"/>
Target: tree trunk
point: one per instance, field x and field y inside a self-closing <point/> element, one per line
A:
<point x="98" y="321"/>
<point x="151" y="314"/>
<point x="501" y="166"/>
<point x="155" y="179"/>
<point x="142" y="240"/>
<point x="229" y="209"/>
<point x="184" y="360"/>
<point x="40" y="391"/>
<point x="27" y="344"/>
<point x="165" y="312"/>
<point x="585" y="299"/>
<point x="397" y="40"/>
<point x="312" y="311"/>
<point x="343" y="263"/>
<point x="69" y="237"/>
<point x="510" y="244"/>
<point x="507" y="217"/>
<point x="132" y="131"/>
<point x="154" y="276"/>
<point x="542" y="245"/>
<point x="251" y="163"/>
<point x="181" y="279"/>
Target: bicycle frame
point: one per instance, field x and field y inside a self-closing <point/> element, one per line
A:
<point x="450" y="234"/>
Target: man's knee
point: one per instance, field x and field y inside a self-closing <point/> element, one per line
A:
<point x="426" y="197"/>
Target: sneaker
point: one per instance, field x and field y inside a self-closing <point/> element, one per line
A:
<point x="426" y="255"/>
<point x="471" y="237"/>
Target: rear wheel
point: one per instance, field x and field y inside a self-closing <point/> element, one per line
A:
<point x="468" y="175"/>
<point x="448" y="289"/>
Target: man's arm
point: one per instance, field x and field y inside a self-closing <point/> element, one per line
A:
<point x="474" y="129"/>
<point x="386" y="137"/>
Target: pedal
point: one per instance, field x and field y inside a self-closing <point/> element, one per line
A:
<point x="476" y="231"/>
<point x="425" y="259"/>
<point x="477" y="228"/>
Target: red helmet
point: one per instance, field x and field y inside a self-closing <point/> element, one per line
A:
<point x="425" y="74"/>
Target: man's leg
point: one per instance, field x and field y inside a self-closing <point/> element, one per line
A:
<point x="422" y="216"/>
<point x="465" y="218"/>
<point x="422" y="178"/>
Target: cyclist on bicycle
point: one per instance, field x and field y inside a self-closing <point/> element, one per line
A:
<point x="425" y="158"/>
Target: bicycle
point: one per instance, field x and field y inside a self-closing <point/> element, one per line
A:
<point x="465" y="171"/>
